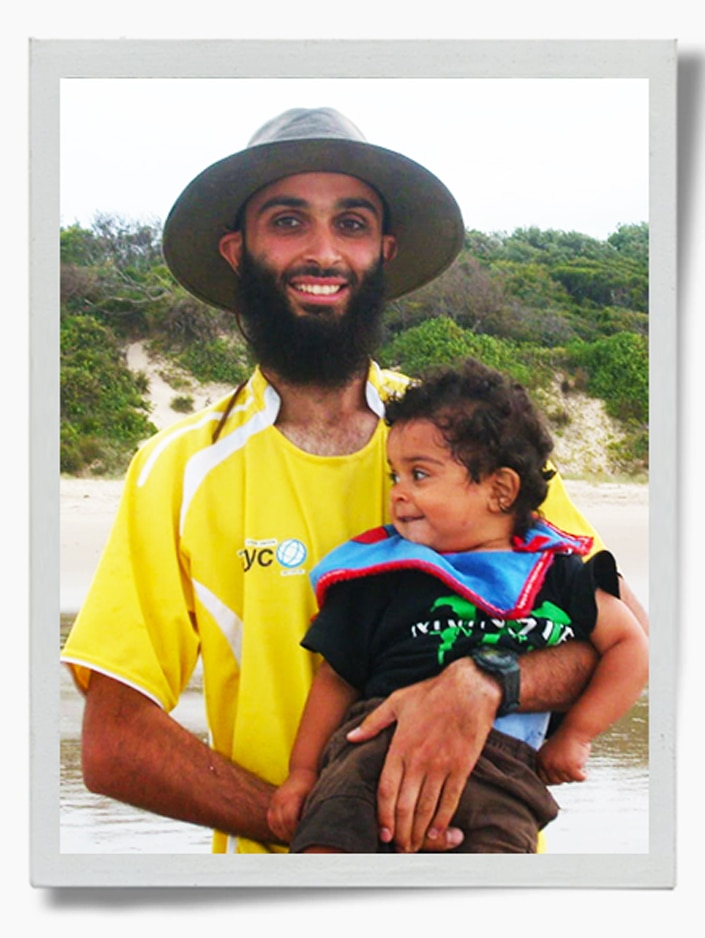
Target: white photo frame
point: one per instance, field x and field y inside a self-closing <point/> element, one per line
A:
<point x="53" y="62"/>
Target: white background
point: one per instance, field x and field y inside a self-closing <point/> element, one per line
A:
<point x="420" y="912"/>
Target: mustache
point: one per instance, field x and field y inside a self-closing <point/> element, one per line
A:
<point x="315" y="270"/>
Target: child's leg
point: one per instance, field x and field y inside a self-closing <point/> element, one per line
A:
<point x="504" y="804"/>
<point x="340" y="814"/>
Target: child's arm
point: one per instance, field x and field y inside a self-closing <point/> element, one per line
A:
<point x="329" y="698"/>
<point x="617" y="681"/>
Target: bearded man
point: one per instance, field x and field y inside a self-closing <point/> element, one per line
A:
<point x="304" y="235"/>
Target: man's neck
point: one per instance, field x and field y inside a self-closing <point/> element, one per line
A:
<point x="325" y="421"/>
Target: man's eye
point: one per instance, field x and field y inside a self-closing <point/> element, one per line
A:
<point x="286" y="221"/>
<point x="352" y="224"/>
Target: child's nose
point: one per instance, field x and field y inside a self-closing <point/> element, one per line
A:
<point x="398" y="493"/>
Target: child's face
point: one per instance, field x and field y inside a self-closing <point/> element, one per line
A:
<point x="434" y="501"/>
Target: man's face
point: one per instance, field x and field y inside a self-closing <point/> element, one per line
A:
<point x="310" y="263"/>
<point x="319" y="234"/>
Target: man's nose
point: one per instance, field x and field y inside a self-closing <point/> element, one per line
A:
<point x="322" y="246"/>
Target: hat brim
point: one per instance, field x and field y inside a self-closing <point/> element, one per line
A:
<point x="425" y="217"/>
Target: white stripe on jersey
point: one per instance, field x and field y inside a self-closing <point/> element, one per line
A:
<point x="227" y="621"/>
<point x="201" y="463"/>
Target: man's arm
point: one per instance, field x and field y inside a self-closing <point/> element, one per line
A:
<point x="135" y="752"/>
<point x="553" y="678"/>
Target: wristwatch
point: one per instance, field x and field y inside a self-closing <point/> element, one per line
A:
<point x="502" y="665"/>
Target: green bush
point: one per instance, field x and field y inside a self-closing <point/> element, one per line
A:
<point x="103" y="414"/>
<point x="441" y="341"/>
<point x="215" y="360"/>
<point x="618" y="371"/>
<point x="182" y="403"/>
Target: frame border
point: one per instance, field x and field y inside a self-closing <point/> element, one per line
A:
<point x="52" y="60"/>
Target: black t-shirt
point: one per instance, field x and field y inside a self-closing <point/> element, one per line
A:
<point x="385" y="631"/>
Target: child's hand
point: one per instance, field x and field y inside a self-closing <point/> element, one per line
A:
<point x="562" y="758"/>
<point x="286" y="804"/>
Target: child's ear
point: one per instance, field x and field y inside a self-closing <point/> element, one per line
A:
<point x="506" y="485"/>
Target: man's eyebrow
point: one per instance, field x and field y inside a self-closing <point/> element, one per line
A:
<point x="358" y="202"/>
<point x="291" y="201"/>
<point x="282" y="201"/>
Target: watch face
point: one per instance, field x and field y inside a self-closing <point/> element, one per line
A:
<point x="500" y="657"/>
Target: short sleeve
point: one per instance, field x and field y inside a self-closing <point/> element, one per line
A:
<point x="136" y="622"/>
<point x="575" y="583"/>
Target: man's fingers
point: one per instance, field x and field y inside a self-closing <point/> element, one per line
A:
<point x="407" y="804"/>
<point x="419" y="814"/>
<point x="373" y="723"/>
<point x="387" y="794"/>
<point x="447" y="806"/>
<point x="425" y="809"/>
<point x="410" y="804"/>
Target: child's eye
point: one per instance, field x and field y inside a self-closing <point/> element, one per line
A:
<point x="418" y="474"/>
<point x="393" y="478"/>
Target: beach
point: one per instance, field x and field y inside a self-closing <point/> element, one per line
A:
<point x="619" y="511"/>
<point x="609" y="814"/>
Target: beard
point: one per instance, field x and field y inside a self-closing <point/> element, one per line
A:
<point x="322" y="349"/>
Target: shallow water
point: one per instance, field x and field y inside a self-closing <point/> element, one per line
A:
<point x="609" y="813"/>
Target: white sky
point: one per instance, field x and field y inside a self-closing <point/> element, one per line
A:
<point x="569" y="154"/>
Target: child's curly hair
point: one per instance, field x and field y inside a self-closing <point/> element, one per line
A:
<point x="488" y="422"/>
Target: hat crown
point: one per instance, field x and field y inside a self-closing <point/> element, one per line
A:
<point x="307" y="124"/>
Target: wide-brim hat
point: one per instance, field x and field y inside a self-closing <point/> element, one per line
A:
<point x="424" y="216"/>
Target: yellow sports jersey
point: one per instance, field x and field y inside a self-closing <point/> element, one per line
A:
<point x="210" y="555"/>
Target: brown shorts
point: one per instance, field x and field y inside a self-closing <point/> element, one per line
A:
<point x="502" y="809"/>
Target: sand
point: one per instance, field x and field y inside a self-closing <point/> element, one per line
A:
<point x="620" y="512"/>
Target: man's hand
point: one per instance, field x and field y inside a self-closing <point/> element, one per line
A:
<point x="441" y="727"/>
<point x="288" y="800"/>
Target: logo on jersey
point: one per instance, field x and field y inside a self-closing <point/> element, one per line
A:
<point x="291" y="553"/>
<point x="287" y="556"/>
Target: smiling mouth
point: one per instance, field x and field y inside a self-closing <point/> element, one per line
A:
<point x="318" y="289"/>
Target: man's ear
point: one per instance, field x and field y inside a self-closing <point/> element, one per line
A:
<point x="389" y="248"/>
<point x="506" y="486"/>
<point x="230" y="246"/>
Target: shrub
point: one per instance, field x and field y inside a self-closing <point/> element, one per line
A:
<point x="441" y="341"/>
<point x="618" y="371"/>
<point x="103" y="414"/>
<point x="215" y="360"/>
<point x="182" y="403"/>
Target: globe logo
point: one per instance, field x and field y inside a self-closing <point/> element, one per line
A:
<point x="291" y="553"/>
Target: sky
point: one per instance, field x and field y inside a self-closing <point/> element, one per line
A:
<point x="568" y="154"/>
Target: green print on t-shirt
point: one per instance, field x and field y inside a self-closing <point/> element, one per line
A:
<point x="546" y="625"/>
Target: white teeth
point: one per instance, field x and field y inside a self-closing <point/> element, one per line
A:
<point x="318" y="289"/>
